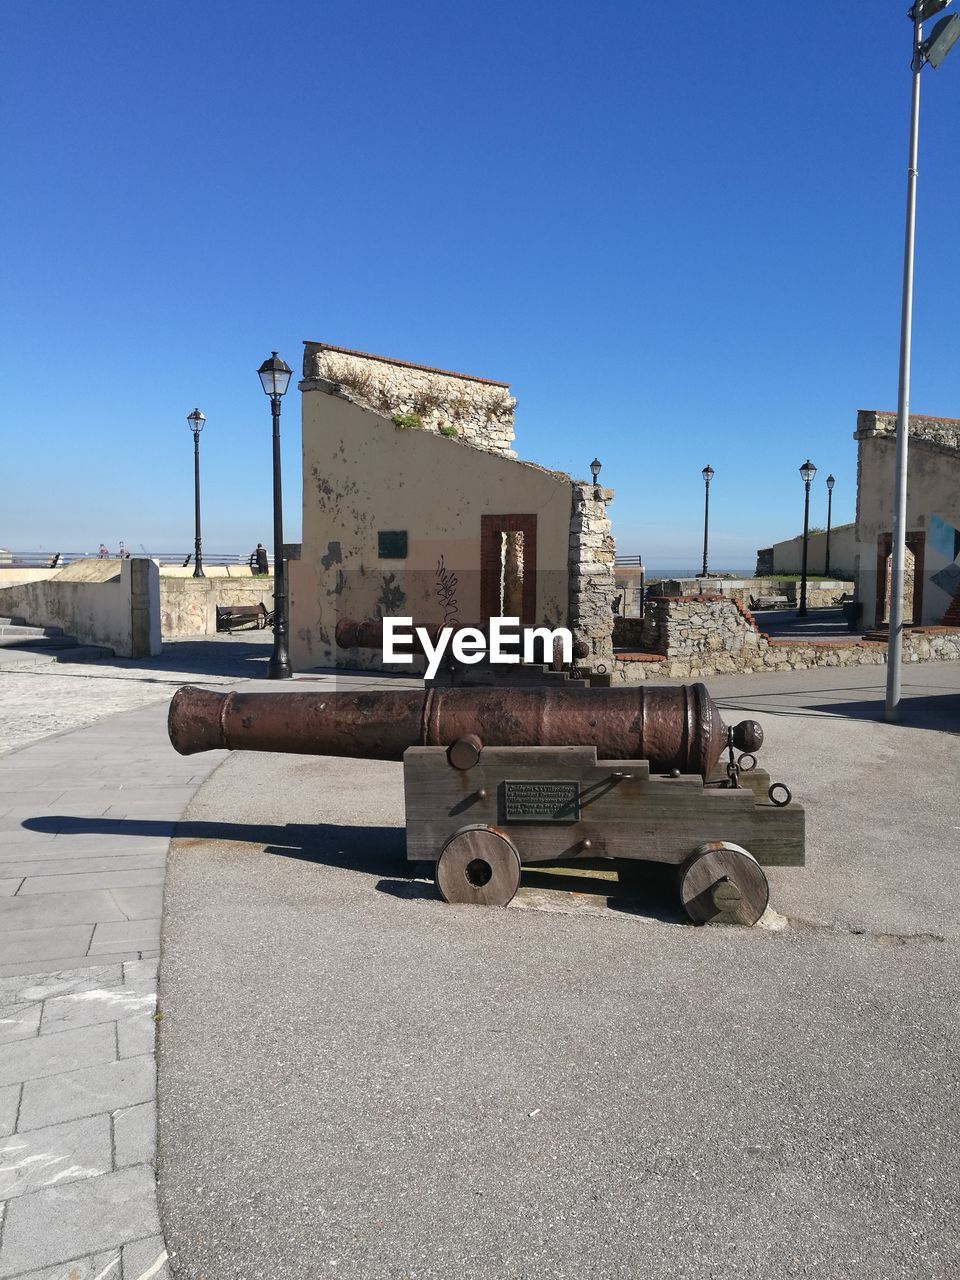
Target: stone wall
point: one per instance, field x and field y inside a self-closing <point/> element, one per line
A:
<point x="701" y="636"/>
<point x="941" y="431"/>
<point x="592" y="583"/>
<point x="107" y="602"/>
<point x="478" y="410"/>
<point x="691" y="627"/>
<point x="188" y="606"/>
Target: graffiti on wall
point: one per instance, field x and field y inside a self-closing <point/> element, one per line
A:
<point x="944" y="542"/>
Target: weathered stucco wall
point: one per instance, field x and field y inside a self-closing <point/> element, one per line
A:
<point x="788" y="555"/>
<point x="13" y="575"/>
<point x="933" y="504"/>
<point x="242" y="571"/>
<point x="108" y="602"/>
<point x="362" y="475"/>
<point x="188" y="606"/>
<point x="479" y="410"/>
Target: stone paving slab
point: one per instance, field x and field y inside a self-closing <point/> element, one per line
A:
<point x="9" y="1105"/>
<point x="96" y="1266"/>
<point x="28" y="969"/>
<point x="18" y="1022"/>
<point x="136" y="1036"/>
<point x="93" y="880"/>
<point x="139" y="903"/>
<point x="68" y="1221"/>
<point x="59" y="1154"/>
<point x="137" y="935"/>
<point x="90" y="794"/>
<point x="82" y="895"/>
<point x="23" y="912"/>
<point x="43" y="1056"/>
<point x="145" y="1260"/>
<point x="73" y="1094"/>
<point x="77" y="864"/>
<point x="135" y="1134"/>
<point x="98" y="1004"/>
<point x="44" y="946"/>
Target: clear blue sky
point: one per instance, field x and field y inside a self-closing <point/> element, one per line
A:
<point x="676" y="230"/>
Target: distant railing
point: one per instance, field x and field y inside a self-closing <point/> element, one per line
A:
<point x="44" y="559"/>
<point x="630" y="560"/>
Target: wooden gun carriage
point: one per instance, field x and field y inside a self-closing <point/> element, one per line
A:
<point x="498" y="778"/>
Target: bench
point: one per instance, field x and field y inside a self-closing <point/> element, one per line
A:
<point x="235" y="617"/>
<point x="768" y="602"/>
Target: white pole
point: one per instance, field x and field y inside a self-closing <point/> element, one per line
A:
<point x="898" y="565"/>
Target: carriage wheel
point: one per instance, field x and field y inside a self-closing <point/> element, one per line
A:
<point x="723" y="884"/>
<point x="480" y="866"/>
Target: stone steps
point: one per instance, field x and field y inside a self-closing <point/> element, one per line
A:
<point x="24" y="646"/>
<point x="23" y="631"/>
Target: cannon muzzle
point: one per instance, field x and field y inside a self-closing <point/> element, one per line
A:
<point x="672" y="728"/>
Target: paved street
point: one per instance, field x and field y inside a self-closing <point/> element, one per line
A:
<point x="90" y="795"/>
<point x="360" y="1080"/>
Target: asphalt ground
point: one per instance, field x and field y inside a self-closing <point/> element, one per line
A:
<point x="359" y="1080"/>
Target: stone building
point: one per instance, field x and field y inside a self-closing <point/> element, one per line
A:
<point x="932" y="586"/>
<point x="415" y="504"/>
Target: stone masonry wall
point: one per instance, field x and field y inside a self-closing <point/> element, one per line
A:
<point x="592" y="583"/>
<point x="942" y="431"/>
<point x="479" y="410"/>
<point x="694" y="626"/>
<point x="703" y="635"/>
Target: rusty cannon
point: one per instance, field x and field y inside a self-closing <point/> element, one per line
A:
<point x="496" y="778"/>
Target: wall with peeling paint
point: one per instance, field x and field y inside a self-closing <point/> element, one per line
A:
<point x="363" y="475"/>
<point x="933" y="505"/>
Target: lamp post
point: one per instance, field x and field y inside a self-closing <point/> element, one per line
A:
<point x="708" y="473"/>
<point x="807" y="472"/>
<point x="595" y="466"/>
<point x="933" y="50"/>
<point x="826" y="564"/>
<point x="275" y="375"/>
<point x="196" y="421"/>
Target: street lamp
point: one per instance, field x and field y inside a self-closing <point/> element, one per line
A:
<point x="807" y="472"/>
<point x="708" y="473"/>
<point x="932" y="50"/>
<point x="196" y="421"/>
<point x="275" y="375"/>
<point x="826" y="564"/>
<point x="595" y="466"/>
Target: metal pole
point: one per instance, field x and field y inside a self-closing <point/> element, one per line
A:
<point x="706" y="522"/>
<point x="197" y="558"/>
<point x="895" y="633"/>
<point x="826" y="566"/>
<point x="279" y="667"/>
<point x="802" y="611"/>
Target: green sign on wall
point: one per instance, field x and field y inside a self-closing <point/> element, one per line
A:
<point x="392" y="544"/>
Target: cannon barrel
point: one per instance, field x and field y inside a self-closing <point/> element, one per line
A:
<point x="672" y="728"/>
<point x="369" y="634"/>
